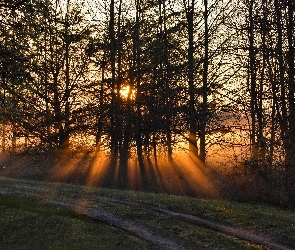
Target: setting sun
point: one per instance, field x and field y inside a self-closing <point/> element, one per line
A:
<point x="126" y="92"/>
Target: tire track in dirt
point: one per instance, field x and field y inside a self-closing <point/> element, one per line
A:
<point x="163" y="242"/>
<point x="109" y="218"/>
<point x="158" y="240"/>
<point x="240" y="233"/>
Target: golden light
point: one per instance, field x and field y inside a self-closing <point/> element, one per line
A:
<point x="185" y="175"/>
<point x="124" y="92"/>
<point x="127" y="92"/>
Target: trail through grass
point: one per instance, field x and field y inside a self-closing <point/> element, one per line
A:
<point x="262" y="218"/>
<point x="26" y="224"/>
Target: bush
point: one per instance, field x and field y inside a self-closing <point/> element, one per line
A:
<point x="254" y="181"/>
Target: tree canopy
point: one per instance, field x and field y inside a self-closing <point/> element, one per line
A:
<point x="148" y="78"/>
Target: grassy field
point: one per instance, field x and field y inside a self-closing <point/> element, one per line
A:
<point x="26" y="224"/>
<point x="29" y="224"/>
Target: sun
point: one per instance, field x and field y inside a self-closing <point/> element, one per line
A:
<point x="127" y="92"/>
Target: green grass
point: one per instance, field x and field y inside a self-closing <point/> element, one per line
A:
<point x="191" y="235"/>
<point x="26" y="224"/>
<point x="262" y="218"/>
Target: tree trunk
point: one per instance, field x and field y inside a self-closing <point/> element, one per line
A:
<point x="290" y="152"/>
<point x="138" y="119"/>
<point x="193" y="145"/>
<point x="46" y="83"/>
<point x="100" y="116"/>
<point x="252" y="83"/>
<point x="124" y="155"/>
<point x="260" y="116"/>
<point x="3" y="137"/>
<point x="165" y="74"/>
<point x="113" y="109"/>
<point x="203" y="121"/>
<point x="4" y="120"/>
<point x="154" y="143"/>
<point x="13" y="141"/>
<point x="64" y="142"/>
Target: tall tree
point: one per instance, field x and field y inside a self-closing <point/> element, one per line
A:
<point x="290" y="147"/>
<point x="113" y="109"/>
<point x="189" y="11"/>
<point x="204" y="111"/>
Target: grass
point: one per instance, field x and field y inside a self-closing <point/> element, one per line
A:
<point x="26" y="224"/>
<point x="262" y="218"/>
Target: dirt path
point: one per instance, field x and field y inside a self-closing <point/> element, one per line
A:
<point x="109" y="218"/>
<point x="158" y="240"/>
<point x="240" y="233"/>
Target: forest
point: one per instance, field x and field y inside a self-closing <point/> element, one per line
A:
<point x="140" y="84"/>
